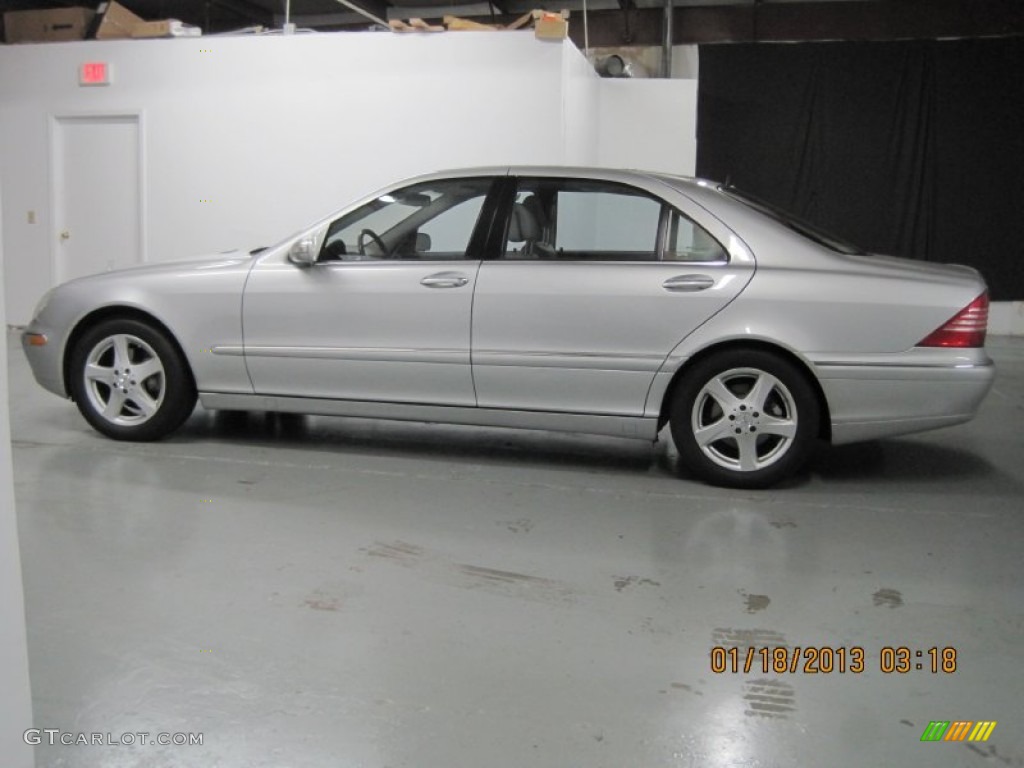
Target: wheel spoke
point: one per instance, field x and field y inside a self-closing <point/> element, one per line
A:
<point x="712" y="433"/>
<point x="145" y="369"/>
<point x="141" y="399"/>
<point x="759" y="393"/>
<point x="122" y="357"/>
<point x="102" y="374"/>
<point x="114" y="405"/>
<point x="781" y="427"/>
<point x="747" y="444"/>
<point x="717" y="389"/>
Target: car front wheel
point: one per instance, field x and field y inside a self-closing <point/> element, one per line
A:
<point x="130" y="382"/>
<point x="744" y="419"/>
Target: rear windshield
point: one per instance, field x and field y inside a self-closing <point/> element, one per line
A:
<point x="794" y="223"/>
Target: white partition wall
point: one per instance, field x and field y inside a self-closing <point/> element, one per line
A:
<point x="238" y="141"/>
<point x="650" y="125"/>
<point x="15" y="698"/>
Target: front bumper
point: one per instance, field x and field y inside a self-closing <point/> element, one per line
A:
<point x="45" y="359"/>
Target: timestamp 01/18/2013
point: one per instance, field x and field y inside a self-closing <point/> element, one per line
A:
<point x="827" y="659"/>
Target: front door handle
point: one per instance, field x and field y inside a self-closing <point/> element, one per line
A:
<point x="681" y="283"/>
<point x="444" y="280"/>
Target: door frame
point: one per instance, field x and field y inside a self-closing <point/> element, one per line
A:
<point x="55" y="123"/>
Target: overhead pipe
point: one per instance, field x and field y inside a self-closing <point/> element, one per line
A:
<point x="375" y="19"/>
<point x="666" y="40"/>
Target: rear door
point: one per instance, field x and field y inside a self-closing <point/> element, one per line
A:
<point x="597" y="282"/>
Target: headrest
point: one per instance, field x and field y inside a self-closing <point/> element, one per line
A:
<point x="523" y="226"/>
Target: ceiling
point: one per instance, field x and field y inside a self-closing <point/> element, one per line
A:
<point x="617" y="22"/>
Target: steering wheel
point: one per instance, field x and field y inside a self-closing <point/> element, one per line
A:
<point x="361" y="243"/>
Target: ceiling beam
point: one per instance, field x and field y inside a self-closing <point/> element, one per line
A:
<point x="245" y="10"/>
<point x="794" y="21"/>
<point x="777" y="22"/>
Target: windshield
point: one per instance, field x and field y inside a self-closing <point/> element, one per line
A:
<point x="794" y="223"/>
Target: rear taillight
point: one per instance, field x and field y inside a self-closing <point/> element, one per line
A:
<point x="965" y="329"/>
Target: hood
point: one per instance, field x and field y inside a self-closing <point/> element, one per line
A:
<point x="224" y="260"/>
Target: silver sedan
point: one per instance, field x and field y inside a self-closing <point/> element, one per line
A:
<point x="571" y="299"/>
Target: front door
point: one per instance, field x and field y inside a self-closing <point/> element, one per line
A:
<point x="384" y="314"/>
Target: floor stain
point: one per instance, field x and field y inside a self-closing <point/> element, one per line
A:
<point x="435" y="567"/>
<point x="769" y="698"/>
<point x="782" y="524"/>
<point x="621" y="582"/>
<point x="319" y="601"/>
<point x="755" y="603"/>
<point x="687" y="688"/>
<point x="400" y="551"/>
<point x="747" y="638"/>
<point x="891" y="598"/>
<point x="648" y="624"/>
<point x="492" y="574"/>
<point x="907" y="723"/>
<point x="990" y="751"/>
<point x="522" y="525"/>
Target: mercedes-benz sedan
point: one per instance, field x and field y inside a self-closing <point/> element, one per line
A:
<point x="572" y="299"/>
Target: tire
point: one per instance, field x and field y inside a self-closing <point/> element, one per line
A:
<point x="744" y="419"/>
<point x="130" y="382"/>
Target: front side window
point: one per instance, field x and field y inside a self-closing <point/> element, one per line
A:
<point x="586" y="220"/>
<point x="431" y="221"/>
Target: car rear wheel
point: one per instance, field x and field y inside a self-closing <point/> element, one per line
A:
<point x="744" y="419"/>
<point x="130" y="382"/>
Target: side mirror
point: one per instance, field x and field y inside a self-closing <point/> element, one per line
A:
<point x="304" y="251"/>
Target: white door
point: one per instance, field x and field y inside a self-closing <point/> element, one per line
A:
<point x="97" y="190"/>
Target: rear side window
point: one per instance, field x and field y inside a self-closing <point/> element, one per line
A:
<point x="606" y="221"/>
<point x="688" y="241"/>
<point x="588" y="220"/>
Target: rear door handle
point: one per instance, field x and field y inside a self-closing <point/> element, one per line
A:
<point x="445" y="280"/>
<point x="682" y="283"/>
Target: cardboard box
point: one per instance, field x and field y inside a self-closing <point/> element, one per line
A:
<point x="160" y="28"/>
<point x="115" y="22"/>
<point x="47" y="26"/>
<point x="551" y="26"/>
<point x="165" y="28"/>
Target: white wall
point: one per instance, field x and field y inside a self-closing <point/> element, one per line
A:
<point x="1006" y="318"/>
<point x="649" y="125"/>
<point x="15" y="695"/>
<point x="581" y="94"/>
<point x="274" y="130"/>
<point x="278" y="131"/>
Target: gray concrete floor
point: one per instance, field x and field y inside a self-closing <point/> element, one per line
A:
<point x="336" y="592"/>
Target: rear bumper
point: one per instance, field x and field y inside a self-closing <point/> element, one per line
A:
<point x="873" y="401"/>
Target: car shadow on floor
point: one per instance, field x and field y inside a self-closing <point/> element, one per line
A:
<point x="445" y="442"/>
<point x="882" y="463"/>
<point x="907" y="462"/>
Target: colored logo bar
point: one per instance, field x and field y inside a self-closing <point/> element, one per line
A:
<point x="958" y="730"/>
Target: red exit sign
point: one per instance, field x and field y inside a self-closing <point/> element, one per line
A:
<point x="94" y="73"/>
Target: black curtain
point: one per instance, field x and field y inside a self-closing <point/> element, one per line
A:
<point x="905" y="148"/>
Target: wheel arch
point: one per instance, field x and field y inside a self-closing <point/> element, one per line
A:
<point x="825" y="425"/>
<point x="115" y="312"/>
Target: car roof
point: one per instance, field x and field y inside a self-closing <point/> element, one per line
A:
<point x="577" y="171"/>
